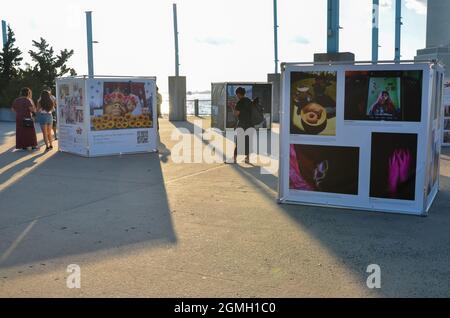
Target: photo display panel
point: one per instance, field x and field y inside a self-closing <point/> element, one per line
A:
<point x="393" y="166"/>
<point x="446" y="105"/>
<point x="324" y="169"/>
<point x="357" y="136"/>
<point x="383" y="95"/>
<point x="124" y="105"/>
<point x="122" y="115"/>
<point x="73" y="133"/>
<point x="313" y="103"/>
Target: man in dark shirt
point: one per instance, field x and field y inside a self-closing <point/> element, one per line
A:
<point x="243" y="112"/>
<point x="243" y="109"/>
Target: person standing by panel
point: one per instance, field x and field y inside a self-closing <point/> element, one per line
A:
<point x="243" y="112"/>
<point x="46" y="106"/>
<point x="54" y="113"/>
<point x="24" y="108"/>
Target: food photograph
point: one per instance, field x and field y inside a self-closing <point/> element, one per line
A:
<point x="313" y="103"/>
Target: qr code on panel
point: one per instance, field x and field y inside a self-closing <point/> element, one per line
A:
<point x="142" y="137"/>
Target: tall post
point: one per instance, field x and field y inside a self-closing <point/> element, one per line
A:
<point x="196" y="111"/>
<point x="177" y="83"/>
<point x="275" y="33"/>
<point x="4" y="32"/>
<point x="90" y="50"/>
<point x="175" y="30"/>
<point x="398" y="26"/>
<point x="375" y="30"/>
<point x="333" y="26"/>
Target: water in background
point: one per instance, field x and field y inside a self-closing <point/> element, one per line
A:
<point x="204" y="104"/>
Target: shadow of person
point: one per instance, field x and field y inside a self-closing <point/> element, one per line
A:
<point x="164" y="152"/>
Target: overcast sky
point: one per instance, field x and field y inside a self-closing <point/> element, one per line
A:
<point x="220" y="40"/>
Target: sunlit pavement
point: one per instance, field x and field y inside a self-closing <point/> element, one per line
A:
<point x="143" y="226"/>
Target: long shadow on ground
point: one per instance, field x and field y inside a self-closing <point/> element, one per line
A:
<point x="413" y="252"/>
<point x="68" y="205"/>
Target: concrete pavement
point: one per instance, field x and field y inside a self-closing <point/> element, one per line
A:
<point x="143" y="226"/>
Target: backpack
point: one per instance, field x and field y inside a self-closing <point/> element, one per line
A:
<point x="257" y="114"/>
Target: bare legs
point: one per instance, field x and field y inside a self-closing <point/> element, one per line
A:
<point x="54" y="131"/>
<point x="49" y="136"/>
<point x="47" y="133"/>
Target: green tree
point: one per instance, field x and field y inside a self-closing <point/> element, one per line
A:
<point x="45" y="67"/>
<point x="48" y="66"/>
<point x="10" y="59"/>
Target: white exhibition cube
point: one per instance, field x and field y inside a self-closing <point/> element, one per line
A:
<point x="103" y="116"/>
<point x="361" y="135"/>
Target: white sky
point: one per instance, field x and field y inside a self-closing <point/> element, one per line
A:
<point x="220" y="40"/>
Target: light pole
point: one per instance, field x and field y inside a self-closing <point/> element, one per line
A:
<point x="175" y="31"/>
<point x="375" y="30"/>
<point x="4" y="32"/>
<point x="333" y="26"/>
<point x="177" y="83"/>
<point x="275" y="33"/>
<point x="90" y="50"/>
<point x="398" y="27"/>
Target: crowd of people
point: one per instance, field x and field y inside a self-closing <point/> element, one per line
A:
<point x="27" y="113"/>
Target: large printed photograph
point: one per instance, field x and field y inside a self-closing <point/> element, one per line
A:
<point x="447" y="137"/>
<point x="327" y="169"/>
<point x="393" y="166"/>
<point x="313" y="103"/>
<point x="447" y="124"/>
<point x="383" y="95"/>
<point x="446" y="105"/>
<point x="70" y="104"/>
<point x="124" y="105"/>
<point x="447" y="111"/>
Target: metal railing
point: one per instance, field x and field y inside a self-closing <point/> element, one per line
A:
<point x="198" y="107"/>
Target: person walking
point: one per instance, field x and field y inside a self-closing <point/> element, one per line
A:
<point x="243" y="113"/>
<point x="45" y="107"/>
<point x="24" y="108"/>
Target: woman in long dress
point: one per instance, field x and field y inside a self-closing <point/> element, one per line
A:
<point x="24" y="108"/>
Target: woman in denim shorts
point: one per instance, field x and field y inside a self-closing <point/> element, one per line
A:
<point x="46" y="106"/>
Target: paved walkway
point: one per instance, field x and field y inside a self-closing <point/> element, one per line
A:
<point x="143" y="226"/>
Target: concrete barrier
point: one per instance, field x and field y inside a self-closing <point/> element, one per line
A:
<point x="6" y="114"/>
<point x="177" y="98"/>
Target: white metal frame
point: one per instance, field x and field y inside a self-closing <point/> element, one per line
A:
<point x="86" y="82"/>
<point x="358" y="134"/>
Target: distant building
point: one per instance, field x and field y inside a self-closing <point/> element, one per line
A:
<point x="438" y="33"/>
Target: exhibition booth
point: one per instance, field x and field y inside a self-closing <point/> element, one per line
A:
<point x="106" y="115"/>
<point x="224" y="100"/>
<point x="361" y="135"/>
